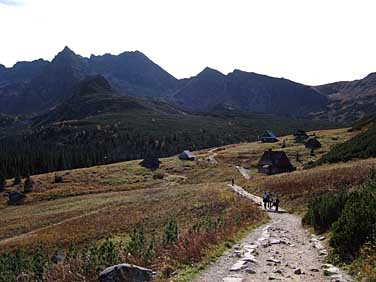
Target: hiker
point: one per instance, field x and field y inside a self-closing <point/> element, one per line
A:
<point x="276" y="204"/>
<point x="270" y="200"/>
<point x="232" y="182"/>
<point x="265" y="199"/>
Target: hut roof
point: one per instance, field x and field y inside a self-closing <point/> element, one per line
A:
<point x="189" y="154"/>
<point x="150" y="163"/>
<point x="15" y="197"/>
<point x="274" y="159"/>
<point x="313" y="143"/>
<point x="269" y="134"/>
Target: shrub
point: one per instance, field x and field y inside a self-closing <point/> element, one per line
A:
<point x="17" y="180"/>
<point x="59" y="178"/>
<point x="171" y="233"/>
<point x="28" y="185"/>
<point x="325" y="210"/>
<point x="357" y="224"/>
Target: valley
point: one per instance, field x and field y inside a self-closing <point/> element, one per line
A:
<point x="110" y="201"/>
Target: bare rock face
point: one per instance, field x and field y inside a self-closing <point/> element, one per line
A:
<point x="126" y="273"/>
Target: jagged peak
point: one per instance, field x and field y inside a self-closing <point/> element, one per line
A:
<point x="66" y="53"/>
<point x="210" y="71"/>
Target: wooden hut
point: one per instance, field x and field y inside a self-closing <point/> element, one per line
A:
<point x="16" y="198"/>
<point x="313" y="143"/>
<point x="273" y="162"/>
<point x="151" y="163"/>
<point x="300" y="136"/>
<point x="187" y="156"/>
<point x="269" y="137"/>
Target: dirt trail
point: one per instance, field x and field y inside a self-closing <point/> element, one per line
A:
<point x="280" y="250"/>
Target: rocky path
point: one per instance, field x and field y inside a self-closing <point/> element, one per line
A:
<point x="281" y="250"/>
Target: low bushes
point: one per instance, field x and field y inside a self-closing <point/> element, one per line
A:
<point x="325" y="210"/>
<point x="351" y="217"/>
<point x="357" y="223"/>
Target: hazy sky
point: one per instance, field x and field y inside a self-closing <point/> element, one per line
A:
<point x="309" y="41"/>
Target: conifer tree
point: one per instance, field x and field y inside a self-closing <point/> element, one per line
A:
<point x="3" y="182"/>
<point x="17" y="179"/>
<point x="28" y="185"/>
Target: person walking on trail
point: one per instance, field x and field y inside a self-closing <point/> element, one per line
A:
<point x="270" y="200"/>
<point x="232" y="182"/>
<point x="276" y="204"/>
<point x="265" y="199"/>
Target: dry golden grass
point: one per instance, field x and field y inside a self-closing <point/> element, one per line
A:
<point x="297" y="188"/>
<point x="84" y="219"/>
<point x="248" y="154"/>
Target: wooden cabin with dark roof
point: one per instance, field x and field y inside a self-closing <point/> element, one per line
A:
<point x="269" y="137"/>
<point x="313" y="143"/>
<point x="151" y="163"/>
<point x="187" y="156"/>
<point x="300" y="136"/>
<point x="274" y="162"/>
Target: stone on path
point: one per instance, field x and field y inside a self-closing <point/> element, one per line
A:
<point x="249" y="258"/>
<point x="239" y="265"/>
<point x="298" y="271"/>
<point x="250" y="271"/>
<point x="233" y="279"/>
<point x="273" y="260"/>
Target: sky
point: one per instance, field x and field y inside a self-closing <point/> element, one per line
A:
<point x="308" y="41"/>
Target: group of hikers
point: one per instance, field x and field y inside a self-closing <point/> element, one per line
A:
<point x="269" y="202"/>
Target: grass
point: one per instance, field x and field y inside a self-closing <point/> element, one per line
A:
<point x="296" y="189"/>
<point x="248" y="154"/>
<point x="109" y="201"/>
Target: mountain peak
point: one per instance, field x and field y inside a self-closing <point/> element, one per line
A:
<point x="210" y="71"/>
<point x="65" y="54"/>
<point x="67" y="50"/>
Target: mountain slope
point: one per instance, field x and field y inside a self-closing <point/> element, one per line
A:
<point x="94" y="96"/>
<point x="249" y="92"/>
<point x="134" y="74"/>
<point x="351" y="100"/>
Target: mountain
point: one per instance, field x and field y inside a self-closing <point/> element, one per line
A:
<point x="249" y="92"/>
<point x="134" y="74"/>
<point x="203" y="91"/>
<point x="94" y="96"/>
<point x="30" y="88"/>
<point x="350" y="100"/>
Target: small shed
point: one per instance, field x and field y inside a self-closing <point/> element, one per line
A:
<point x="16" y="198"/>
<point x="273" y="162"/>
<point x="300" y="136"/>
<point x="269" y="137"/>
<point x="313" y="143"/>
<point x="187" y="156"/>
<point x="151" y="163"/>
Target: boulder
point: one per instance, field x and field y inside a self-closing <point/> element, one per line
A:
<point x="126" y="273"/>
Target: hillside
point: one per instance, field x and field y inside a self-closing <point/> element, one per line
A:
<point x="350" y="100"/>
<point x="193" y="194"/>
<point x="362" y="146"/>
<point x="94" y="96"/>
<point x="95" y="125"/>
<point x="249" y="92"/>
